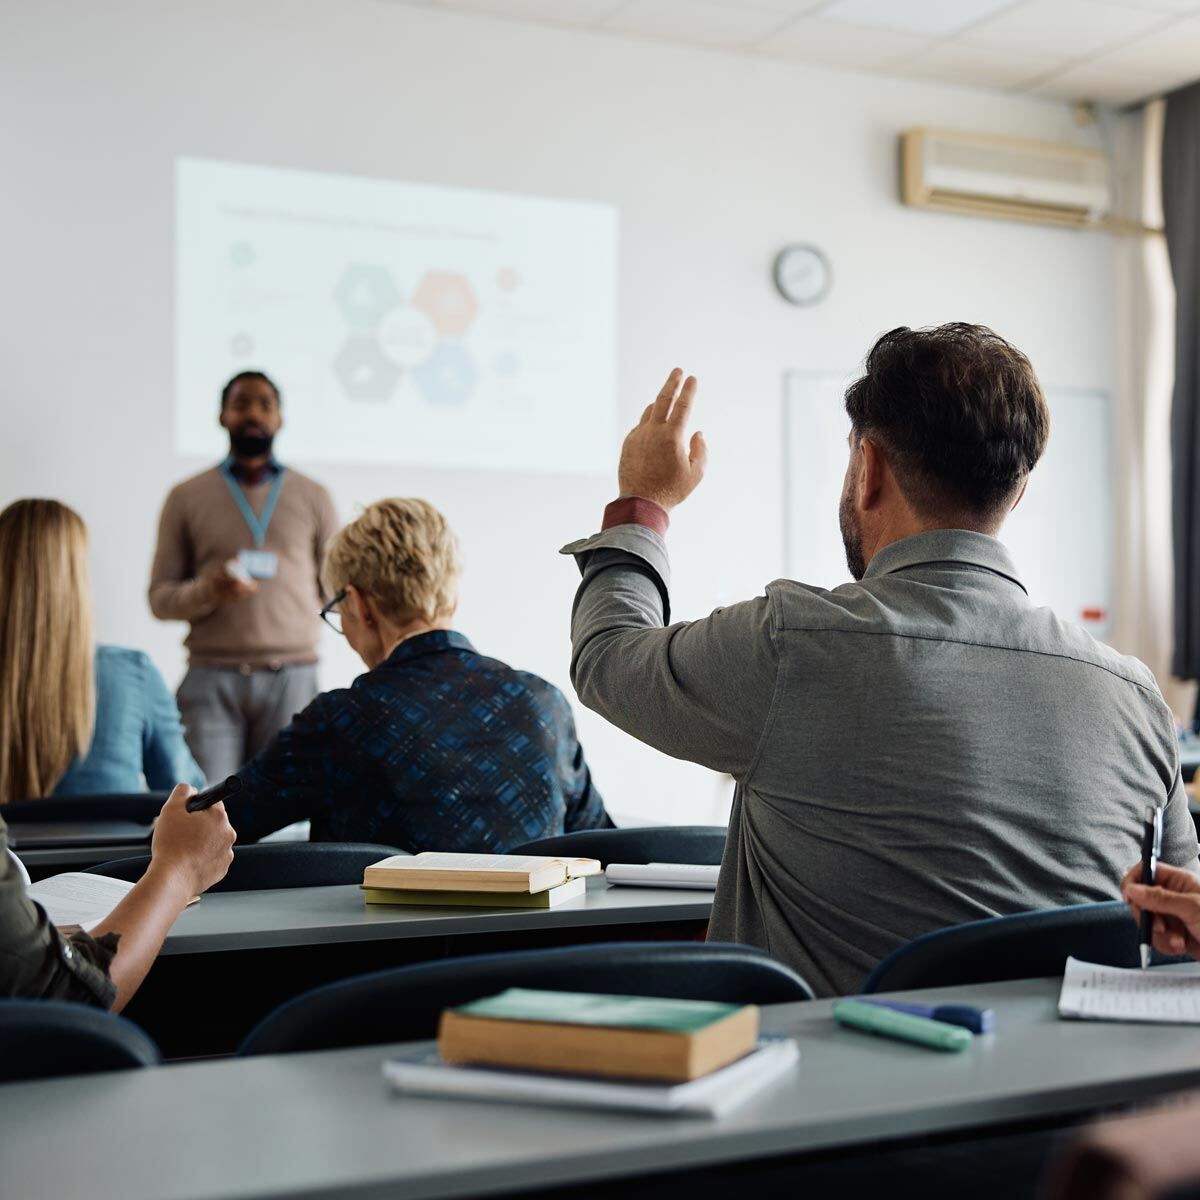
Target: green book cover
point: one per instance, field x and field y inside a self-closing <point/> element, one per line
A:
<point x="585" y="1008"/>
<point x="437" y="899"/>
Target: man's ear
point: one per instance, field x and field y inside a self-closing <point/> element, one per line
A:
<point x="223" y="419"/>
<point x="872" y="467"/>
<point x="361" y="606"/>
<point x="1020" y="494"/>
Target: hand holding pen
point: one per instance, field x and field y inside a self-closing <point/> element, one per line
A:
<point x="1173" y="901"/>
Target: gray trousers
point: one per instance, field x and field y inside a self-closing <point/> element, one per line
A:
<point x="228" y="716"/>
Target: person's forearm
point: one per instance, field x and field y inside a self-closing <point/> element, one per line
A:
<point x="182" y="600"/>
<point x="143" y="919"/>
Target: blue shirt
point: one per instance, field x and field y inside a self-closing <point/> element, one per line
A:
<point x="437" y="748"/>
<point x="137" y="733"/>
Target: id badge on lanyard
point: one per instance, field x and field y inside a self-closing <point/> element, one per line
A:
<point x="258" y="563"/>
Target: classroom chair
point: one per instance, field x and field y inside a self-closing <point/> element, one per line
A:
<point x="141" y="807"/>
<point x="40" y="1039"/>
<point x="700" y="844"/>
<point x="404" y="1004"/>
<point x="1024" y="946"/>
<point x="277" y="865"/>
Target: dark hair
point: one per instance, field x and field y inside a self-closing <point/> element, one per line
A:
<point x="227" y="390"/>
<point x="957" y="411"/>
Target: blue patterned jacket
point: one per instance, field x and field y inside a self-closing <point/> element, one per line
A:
<point x="437" y="748"/>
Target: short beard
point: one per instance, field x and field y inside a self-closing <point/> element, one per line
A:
<point x="250" y="447"/>
<point x="851" y="538"/>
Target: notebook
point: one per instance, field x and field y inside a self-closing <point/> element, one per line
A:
<point x="548" y="898"/>
<point x="422" y="1072"/>
<point x="663" y="875"/>
<point x="1170" y="995"/>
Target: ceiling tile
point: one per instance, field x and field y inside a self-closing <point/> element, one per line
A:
<point x="1074" y="28"/>
<point x="1174" y="49"/>
<point x="551" y="12"/>
<point x="1092" y="83"/>
<point x="934" y="17"/>
<point x="839" y="44"/>
<point x="709" y="22"/>
<point x="975" y="66"/>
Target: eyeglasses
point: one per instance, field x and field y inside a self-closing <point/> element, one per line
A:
<point x="331" y="616"/>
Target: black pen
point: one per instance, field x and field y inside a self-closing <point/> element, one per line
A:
<point x="215" y="794"/>
<point x="1151" y="849"/>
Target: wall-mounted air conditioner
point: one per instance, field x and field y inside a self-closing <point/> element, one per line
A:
<point x="992" y="176"/>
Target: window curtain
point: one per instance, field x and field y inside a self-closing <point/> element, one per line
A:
<point x="1142" y="601"/>
<point x="1181" y="220"/>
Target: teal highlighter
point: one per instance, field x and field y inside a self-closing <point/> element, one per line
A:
<point x="886" y="1022"/>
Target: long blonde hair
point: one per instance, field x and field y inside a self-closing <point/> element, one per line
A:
<point x="47" y="681"/>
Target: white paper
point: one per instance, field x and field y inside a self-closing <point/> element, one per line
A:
<point x="1097" y="993"/>
<point x="422" y="1072"/>
<point x="668" y="875"/>
<point x="75" y="898"/>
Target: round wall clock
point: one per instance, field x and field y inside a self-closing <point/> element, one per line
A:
<point x="802" y="274"/>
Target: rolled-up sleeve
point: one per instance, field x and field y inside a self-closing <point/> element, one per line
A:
<point x="697" y="690"/>
<point x="36" y="960"/>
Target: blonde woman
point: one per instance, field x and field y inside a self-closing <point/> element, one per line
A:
<point x="47" y="711"/>
<point x="436" y="747"/>
<point x="74" y="719"/>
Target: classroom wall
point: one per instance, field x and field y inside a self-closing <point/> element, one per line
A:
<point x="714" y="160"/>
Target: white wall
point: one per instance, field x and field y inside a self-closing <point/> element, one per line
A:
<point x="714" y="161"/>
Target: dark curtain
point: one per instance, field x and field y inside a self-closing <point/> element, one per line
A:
<point x="1181" y="210"/>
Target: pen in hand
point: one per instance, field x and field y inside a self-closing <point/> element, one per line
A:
<point x="215" y="794"/>
<point x="1151" y="849"/>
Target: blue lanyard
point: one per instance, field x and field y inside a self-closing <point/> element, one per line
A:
<point x="258" y="525"/>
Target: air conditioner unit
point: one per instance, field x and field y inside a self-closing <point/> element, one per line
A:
<point x="1004" y="177"/>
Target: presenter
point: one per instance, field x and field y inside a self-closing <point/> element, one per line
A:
<point x="238" y="556"/>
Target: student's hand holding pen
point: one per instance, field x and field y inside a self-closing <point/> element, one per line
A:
<point x="1175" y="902"/>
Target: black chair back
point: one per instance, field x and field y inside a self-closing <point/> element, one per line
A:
<point x="141" y="807"/>
<point x="1025" y="946"/>
<point x="40" y="1039"/>
<point x="700" y="844"/>
<point x="275" y="865"/>
<point x="406" y="1003"/>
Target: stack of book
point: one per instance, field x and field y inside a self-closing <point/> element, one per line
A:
<point x="609" y="1051"/>
<point x="483" y="880"/>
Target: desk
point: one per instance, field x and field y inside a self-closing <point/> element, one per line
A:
<point x="48" y="847"/>
<point x="324" y="1124"/>
<point x="257" y="949"/>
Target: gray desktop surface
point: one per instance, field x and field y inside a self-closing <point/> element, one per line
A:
<point x="317" y="1125"/>
<point x="319" y="915"/>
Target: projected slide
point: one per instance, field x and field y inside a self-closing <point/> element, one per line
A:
<point x="404" y="322"/>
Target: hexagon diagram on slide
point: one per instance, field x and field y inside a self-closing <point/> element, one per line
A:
<point x="448" y="376"/>
<point x="364" y="293"/>
<point x="448" y="299"/>
<point x="364" y="371"/>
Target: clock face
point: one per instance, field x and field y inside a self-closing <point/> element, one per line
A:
<point x="802" y="274"/>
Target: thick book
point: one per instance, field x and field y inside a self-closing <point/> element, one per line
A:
<point x="628" y="1037"/>
<point x="421" y="1072"/>
<point x="433" y="871"/>
<point x="548" y="898"/>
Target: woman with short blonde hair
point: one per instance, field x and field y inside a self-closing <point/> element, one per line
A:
<point x="436" y="747"/>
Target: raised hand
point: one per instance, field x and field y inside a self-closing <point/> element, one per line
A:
<point x="658" y="462"/>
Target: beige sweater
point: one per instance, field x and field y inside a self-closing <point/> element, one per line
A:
<point x="201" y="524"/>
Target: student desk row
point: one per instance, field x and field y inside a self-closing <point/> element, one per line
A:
<point x="235" y="956"/>
<point x="325" y="1124"/>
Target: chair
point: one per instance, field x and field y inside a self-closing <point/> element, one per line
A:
<point x="404" y="1004"/>
<point x="141" y="807"/>
<point x="1023" y="946"/>
<point x="278" y="865"/>
<point x="701" y="844"/>
<point x="40" y="1039"/>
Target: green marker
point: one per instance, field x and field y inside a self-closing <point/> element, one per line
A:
<point x="886" y="1022"/>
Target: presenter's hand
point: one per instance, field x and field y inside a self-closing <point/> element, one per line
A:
<point x="1175" y="902"/>
<point x="195" y="849"/>
<point x="225" y="588"/>
<point x="658" y="462"/>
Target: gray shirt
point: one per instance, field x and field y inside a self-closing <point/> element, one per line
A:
<point x="922" y="748"/>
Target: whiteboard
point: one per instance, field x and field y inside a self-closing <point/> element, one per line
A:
<point x="1060" y="535"/>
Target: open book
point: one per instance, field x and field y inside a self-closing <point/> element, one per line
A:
<point x="77" y="898"/>
<point x="434" y="871"/>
